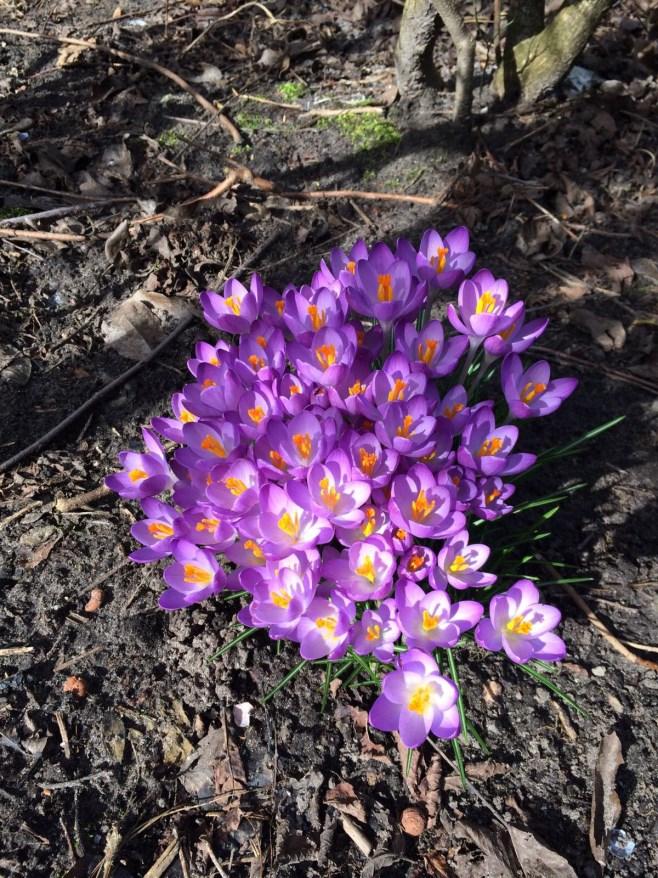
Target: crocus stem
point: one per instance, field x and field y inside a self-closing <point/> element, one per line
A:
<point x="288" y="677"/>
<point x="472" y="351"/>
<point x="227" y="646"/>
<point x="452" y="664"/>
<point x="487" y="360"/>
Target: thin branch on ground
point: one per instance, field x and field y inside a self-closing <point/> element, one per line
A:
<point x="68" y="504"/>
<point x="597" y="367"/>
<point x="54" y="212"/>
<point x="14" y="184"/>
<point x="203" y="102"/>
<point x="28" y="235"/>
<point x="213" y="24"/>
<point x="227" y="183"/>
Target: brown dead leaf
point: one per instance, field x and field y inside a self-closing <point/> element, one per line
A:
<point x="42" y="552"/>
<point x="115" y="239"/>
<point x="139" y="323"/>
<point x="114" y="733"/>
<point x="476" y="771"/>
<point x="499" y="861"/>
<point x="646" y="268"/>
<point x="117" y="161"/>
<point x="537" y="860"/>
<point x="175" y="746"/>
<point x="606" y="806"/>
<point x="429" y="789"/>
<point x="15" y="367"/>
<point x="607" y="333"/>
<point x="573" y="288"/>
<point x="359" y="717"/>
<point x="69" y="54"/>
<point x="343" y="798"/>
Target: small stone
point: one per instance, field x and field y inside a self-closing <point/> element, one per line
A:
<point x="413" y="821"/>
<point x="599" y="671"/>
<point x="95" y="601"/>
<point x="615" y="704"/>
<point x="491" y="691"/>
<point x="76" y="686"/>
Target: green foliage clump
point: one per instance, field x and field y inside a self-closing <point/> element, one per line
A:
<point x="169" y="138"/>
<point x="252" y="122"/>
<point x="364" y="130"/>
<point x="291" y="91"/>
<point x="9" y="212"/>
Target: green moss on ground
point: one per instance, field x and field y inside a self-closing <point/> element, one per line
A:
<point x="169" y="138"/>
<point x="251" y="122"/>
<point x="291" y="91"/>
<point x="364" y="130"/>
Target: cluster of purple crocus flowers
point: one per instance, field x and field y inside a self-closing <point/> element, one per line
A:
<point x="327" y="450"/>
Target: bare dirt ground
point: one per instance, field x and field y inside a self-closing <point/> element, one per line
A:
<point x="561" y="200"/>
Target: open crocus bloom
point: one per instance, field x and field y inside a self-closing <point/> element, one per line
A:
<point x="416" y="700"/>
<point x="328" y="462"/>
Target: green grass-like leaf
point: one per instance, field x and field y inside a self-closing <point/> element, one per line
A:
<point x="284" y="681"/>
<point x="228" y="646"/>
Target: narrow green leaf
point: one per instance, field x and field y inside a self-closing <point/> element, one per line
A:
<point x="552" y="687"/>
<point x="284" y="682"/>
<point x="228" y="646"/>
<point x="459" y="759"/>
<point x="460" y="701"/>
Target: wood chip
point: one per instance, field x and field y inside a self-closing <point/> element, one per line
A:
<point x="606" y="807"/>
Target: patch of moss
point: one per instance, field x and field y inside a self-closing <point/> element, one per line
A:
<point x="9" y="212"/>
<point x="253" y="122"/>
<point x="364" y="130"/>
<point x="291" y="91"/>
<point x="240" y="150"/>
<point x="169" y="138"/>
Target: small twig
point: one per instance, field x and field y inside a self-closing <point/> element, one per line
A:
<point x="104" y="577"/>
<point x="341" y="112"/>
<point x="96" y="398"/>
<point x="60" y="666"/>
<point x="68" y="504"/>
<point x="27" y="235"/>
<point x="528" y="134"/>
<point x="360" y="840"/>
<point x="565" y="722"/>
<point x="20" y="513"/>
<point x="642" y="646"/>
<point x="223" y="120"/>
<point x="165" y="860"/>
<point x="76" y="782"/>
<point x="586" y="364"/>
<point x="216" y="21"/>
<point x="594" y="620"/>
<point x="90" y="199"/>
<point x="64" y="735"/>
<point x="227" y="183"/>
<point x="53" y="212"/>
<point x="206" y="846"/>
<point x="552" y="217"/>
<point x="6" y="651"/>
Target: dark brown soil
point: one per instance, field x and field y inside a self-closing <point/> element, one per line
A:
<point x="152" y="698"/>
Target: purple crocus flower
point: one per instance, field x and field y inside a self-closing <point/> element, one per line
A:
<point x="353" y="393"/>
<point x="328" y="358"/>
<point x="256" y="408"/>
<point x="220" y="354"/>
<point x="375" y="522"/>
<point x="408" y="427"/>
<point x="309" y="310"/>
<point x="376" y="632"/>
<point x="237" y="309"/>
<point x="144" y="474"/>
<point x="416" y="564"/>
<point x="280" y="602"/>
<point x="422" y="507"/>
<point x="521" y="626"/>
<point x="209" y="443"/>
<point x="172" y="428"/>
<point x="458" y="564"/>
<point x="331" y="492"/>
<point x="202" y="526"/>
<point x="444" y="262"/>
<point x="261" y="355"/>
<point x="531" y="393"/>
<point x="490" y="498"/>
<point x="297" y="444"/>
<point x="384" y="287"/>
<point x="217" y="391"/>
<point x="284" y="526"/>
<point x="517" y="336"/>
<point x="395" y="382"/>
<point x="487" y="449"/>
<point x="480" y="308"/>
<point x="156" y="532"/>
<point x="194" y="576"/>
<point x="324" y="630"/>
<point x="234" y="489"/>
<point x="364" y="571"/>
<point x="429" y="620"/>
<point x="416" y="700"/>
<point x="291" y="393"/>
<point x="428" y="350"/>
<point x="370" y="460"/>
<point x="454" y="408"/>
<point x="464" y="480"/>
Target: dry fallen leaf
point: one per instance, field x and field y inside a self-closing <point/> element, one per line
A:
<point x="537" y="860"/>
<point x="608" y="334"/>
<point x="69" y="54"/>
<point x="114" y="241"/>
<point x="343" y="798"/>
<point x="499" y="862"/>
<point x="139" y="323"/>
<point x="15" y="367"/>
<point x="606" y="806"/>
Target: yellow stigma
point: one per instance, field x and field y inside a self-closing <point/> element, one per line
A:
<point x="235" y="486"/>
<point x="329" y="494"/>
<point x="280" y="599"/>
<point x="400" y="534"/>
<point x="214" y="361"/>
<point x="280" y="306"/>
<point x="531" y="390"/>
<point x="368" y="526"/>
<point x="438" y="262"/>
<point x="213" y="445"/>
<point x="303" y="444"/>
<point x="373" y="632"/>
<point x="356" y="388"/>
<point x="256" y="362"/>
<point x="326" y="355"/>
<point x="459" y="564"/>
<point x="289" y="524"/>
<point x="492" y="496"/>
<point x="453" y="410"/>
<point x="367" y="568"/>
<point x="490" y="446"/>
<point x="421" y="507"/>
<point x="318" y="318"/>
<point x="384" y="288"/>
<point x="486" y="303"/>
<point x="136" y="475"/>
<point x="430" y="622"/>
<point x="209" y="524"/>
<point x="420" y="699"/>
<point x="254" y="548"/>
<point x="518" y="625"/>
<point x="278" y="461"/>
<point x="160" y="530"/>
<point x="233" y="304"/>
<point x="404" y="430"/>
<point x="505" y="333"/>
<point x="397" y="391"/>
<point x="295" y="388"/>
<point x="327" y="622"/>
<point x="367" y="461"/>
<point x="415" y="563"/>
<point x="186" y="417"/>
<point x="428" y="458"/>
<point x="208" y="382"/>
<point x="256" y="414"/>
<point x="427" y="350"/>
<point x="196" y="575"/>
<point x="351" y="266"/>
